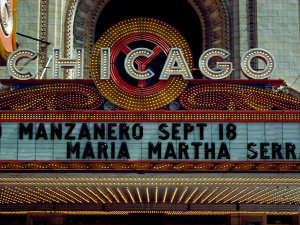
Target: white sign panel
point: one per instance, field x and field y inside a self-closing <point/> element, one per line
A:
<point x="147" y="141"/>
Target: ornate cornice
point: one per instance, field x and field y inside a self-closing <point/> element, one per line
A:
<point x="215" y="17"/>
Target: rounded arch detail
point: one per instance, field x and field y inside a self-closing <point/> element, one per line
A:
<point x="82" y="16"/>
<point x="214" y="16"/>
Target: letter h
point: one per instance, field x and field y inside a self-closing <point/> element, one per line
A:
<point x="77" y="63"/>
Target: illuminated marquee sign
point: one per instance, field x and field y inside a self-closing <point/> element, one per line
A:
<point x="151" y="141"/>
<point x="174" y="65"/>
<point x="134" y="77"/>
<point x="143" y="104"/>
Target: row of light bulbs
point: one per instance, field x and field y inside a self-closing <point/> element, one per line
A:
<point x="178" y="195"/>
<point x="121" y="116"/>
<point x="169" y="213"/>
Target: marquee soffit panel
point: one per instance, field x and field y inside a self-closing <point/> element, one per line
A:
<point x="186" y="194"/>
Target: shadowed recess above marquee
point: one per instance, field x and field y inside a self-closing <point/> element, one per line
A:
<point x="210" y="21"/>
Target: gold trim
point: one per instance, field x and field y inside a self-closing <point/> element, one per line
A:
<point x="192" y="166"/>
<point x="125" y="213"/>
<point x="170" y="116"/>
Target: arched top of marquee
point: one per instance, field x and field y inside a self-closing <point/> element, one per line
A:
<point x="82" y="16"/>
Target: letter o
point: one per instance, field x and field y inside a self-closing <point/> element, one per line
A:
<point x="264" y="55"/>
<point x="137" y="131"/>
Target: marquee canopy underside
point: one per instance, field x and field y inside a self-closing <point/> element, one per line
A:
<point x="120" y="193"/>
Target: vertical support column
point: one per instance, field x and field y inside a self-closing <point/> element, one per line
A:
<point x="296" y="219"/>
<point x="31" y="218"/>
<point x="235" y="219"/>
<point x="40" y="218"/>
<point x="264" y="219"/>
<point x="59" y="219"/>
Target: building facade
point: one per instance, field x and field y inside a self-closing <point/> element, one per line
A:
<point x="122" y="112"/>
<point x="243" y="25"/>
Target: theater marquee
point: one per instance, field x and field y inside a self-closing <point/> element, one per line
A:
<point x="144" y="141"/>
<point x="144" y="105"/>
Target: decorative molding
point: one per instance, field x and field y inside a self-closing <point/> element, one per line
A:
<point x="215" y="17"/>
<point x="278" y="116"/>
<point x="43" y="33"/>
<point x="79" y="26"/>
<point x="252" y="23"/>
<point x="52" y="97"/>
<point x="203" y="97"/>
<point x="85" y="20"/>
<point x="233" y="97"/>
<point x="152" y="167"/>
<point x="68" y="32"/>
<point x="252" y="27"/>
<point x="226" y="6"/>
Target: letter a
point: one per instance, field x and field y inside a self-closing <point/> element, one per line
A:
<point x="175" y="65"/>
